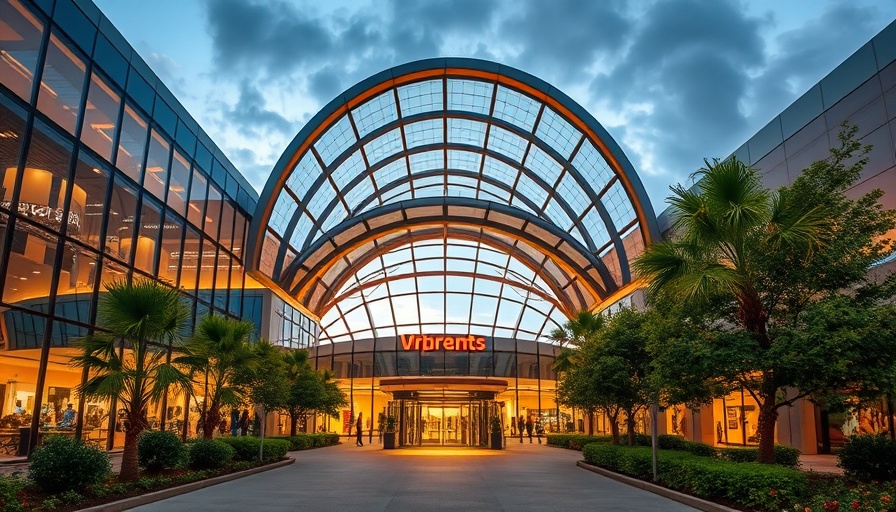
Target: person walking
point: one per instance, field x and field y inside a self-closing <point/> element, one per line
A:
<point x="359" y="431"/>
<point x="521" y="427"/>
<point x="234" y="422"/>
<point x="529" y="426"/>
<point x="244" y="422"/>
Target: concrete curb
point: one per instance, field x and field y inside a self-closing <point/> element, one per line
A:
<point x="687" y="499"/>
<point x="144" y="499"/>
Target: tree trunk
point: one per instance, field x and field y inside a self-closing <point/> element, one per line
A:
<point x="130" y="467"/>
<point x="590" y="422"/>
<point x="630" y="427"/>
<point x="768" y="416"/>
<point x="212" y="421"/>
<point x="614" y="427"/>
<point x="293" y="423"/>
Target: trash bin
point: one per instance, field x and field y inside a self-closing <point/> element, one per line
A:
<point x="24" y="441"/>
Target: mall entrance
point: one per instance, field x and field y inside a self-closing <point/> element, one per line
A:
<point x="443" y="412"/>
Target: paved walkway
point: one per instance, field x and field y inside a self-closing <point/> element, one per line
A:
<point x="522" y="478"/>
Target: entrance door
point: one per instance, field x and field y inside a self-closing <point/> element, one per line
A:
<point x="444" y="424"/>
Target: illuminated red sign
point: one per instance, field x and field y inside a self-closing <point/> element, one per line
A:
<point x="427" y="343"/>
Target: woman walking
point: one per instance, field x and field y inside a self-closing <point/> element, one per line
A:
<point x="359" y="431"/>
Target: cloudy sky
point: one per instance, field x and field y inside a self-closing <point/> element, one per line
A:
<point x="673" y="81"/>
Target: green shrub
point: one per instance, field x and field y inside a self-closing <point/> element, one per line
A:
<point x="784" y="455"/>
<point x="9" y="493"/>
<point x="158" y="450"/>
<point x="603" y="455"/>
<point x="247" y="448"/>
<point x="670" y="442"/>
<point x="575" y="441"/>
<point x="869" y="457"/>
<point x="64" y="464"/>
<point x="308" y="441"/>
<point x="750" y="485"/>
<point x="209" y="454"/>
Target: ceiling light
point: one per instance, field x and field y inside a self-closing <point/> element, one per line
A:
<point x="35" y="271"/>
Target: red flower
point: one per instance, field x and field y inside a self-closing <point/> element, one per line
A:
<point x="773" y="492"/>
<point x="885" y="498"/>
<point x="855" y="504"/>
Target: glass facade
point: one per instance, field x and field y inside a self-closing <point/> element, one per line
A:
<point x="450" y="196"/>
<point x="99" y="183"/>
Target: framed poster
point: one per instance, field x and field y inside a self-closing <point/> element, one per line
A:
<point x="731" y="415"/>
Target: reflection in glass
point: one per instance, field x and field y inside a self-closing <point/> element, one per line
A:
<point x="19" y="47"/>
<point x="100" y="117"/>
<point x="131" y="143"/>
<point x="61" y="85"/>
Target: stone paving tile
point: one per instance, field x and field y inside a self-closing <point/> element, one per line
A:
<point x="522" y="478"/>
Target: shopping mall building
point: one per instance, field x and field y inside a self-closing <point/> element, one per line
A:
<point x="421" y="235"/>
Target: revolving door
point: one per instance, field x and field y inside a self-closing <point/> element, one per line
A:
<point x="460" y="420"/>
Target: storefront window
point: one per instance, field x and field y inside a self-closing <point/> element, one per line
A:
<point x="213" y="212"/>
<point x="19" y="47"/>
<point x="77" y="279"/>
<point x="12" y="129"/>
<point x="207" y="269"/>
<point x="221" y="281"/>
<point x="100" y="117"/>
<point x="62" y="84"/>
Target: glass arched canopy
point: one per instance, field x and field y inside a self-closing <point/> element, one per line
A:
<point x="442" y="178"/>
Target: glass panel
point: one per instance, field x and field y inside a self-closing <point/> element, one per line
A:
<point x="196" y="211"/>
<point x="131" y="144"/>
<point x="375" y="113"/>
<point x="213" y="212"/>
<point x="189" y="269"/>
<point x="157" y="165"/>
<point x="100" y="117"/>
<point x="420" y="97"/>
<point x="19" y="47"/>
<point x="88" y="201"/>
<point x="557" y="132"/>
<point x="12" y="128"/>
<point x="119" y="229"/>
<point x="148" y="236"/>
<point x="178" y="182"/>
<point x="170" y="255"/>
<point x="516" y="108"/>
<point x="62" y="84"/>
<point x="207" y="270"/>
<point x="470" y="95"/>
<point x="77" y="277"/>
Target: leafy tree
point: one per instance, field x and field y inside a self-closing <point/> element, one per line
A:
<point x="609" y="370"/>
<point x="128" y="361"/>
<point x="218" y="349"/>
<point x="308" y="390"/>
<point x="265" y="382"/>
<point x="758" y="260"/>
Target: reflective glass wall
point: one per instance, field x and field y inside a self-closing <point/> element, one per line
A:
<point x="103" y="176"/>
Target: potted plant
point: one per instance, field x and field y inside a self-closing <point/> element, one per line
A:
<point x="497" y="437"/>
<point x="389" y="433"/>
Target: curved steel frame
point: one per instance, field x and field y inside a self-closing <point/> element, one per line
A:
<point x="453" y="68"/>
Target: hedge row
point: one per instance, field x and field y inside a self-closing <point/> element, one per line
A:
<point x="575" y="441"/>
<point x="247" y="448"/>
<point x="784" y="455"/>
<point x="750" y="485"/>
<point x="308" y="441"/>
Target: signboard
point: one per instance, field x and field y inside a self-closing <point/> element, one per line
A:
<point x="430" y="343"/>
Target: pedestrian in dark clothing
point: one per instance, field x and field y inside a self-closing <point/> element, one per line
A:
<point x="521" y="427"/>
<point x="529" y="426"/>
<point x="359" y="431"/>
<point x="234" y="422"/>
<point x="244" y="422"/>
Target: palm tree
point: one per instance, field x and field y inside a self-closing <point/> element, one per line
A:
<point x="722" y="232"/>
<point x="142" y="321"/>
<point x="218" y="349"/>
